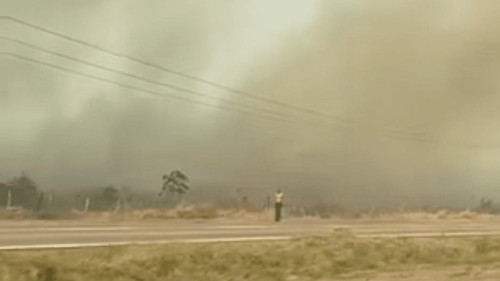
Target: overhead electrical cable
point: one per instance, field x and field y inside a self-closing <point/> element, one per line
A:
<point x="192" y="77"/>
<point x="144" y="79"/>
<point x="131" y="87"/>
<point x="393" y="133"/>
<point x="168" y="95"/>
<point x="172" y="71"/>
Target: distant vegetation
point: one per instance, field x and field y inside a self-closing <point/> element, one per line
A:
<point x="21" y="192"/>
<point x="24" y="198"/>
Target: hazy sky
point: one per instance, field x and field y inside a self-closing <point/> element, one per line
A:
<point x="429" y="68"/>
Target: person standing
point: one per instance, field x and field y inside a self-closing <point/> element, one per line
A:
<point x="278" y="204"/>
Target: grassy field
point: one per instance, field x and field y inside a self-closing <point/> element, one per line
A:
<point x="338" y="256"/>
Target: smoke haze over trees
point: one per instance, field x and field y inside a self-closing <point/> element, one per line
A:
<point x="24" y="193"/>
<point x="429" y="68"/>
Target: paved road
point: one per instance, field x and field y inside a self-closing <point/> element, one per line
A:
<point x="17" y="235"/>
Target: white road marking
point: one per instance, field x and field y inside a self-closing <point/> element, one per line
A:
<point x="86" y="228"/>
<point x="124" y="243"/>
<point x="67" y="236"/>
<point x="151" y="233"/>
<point x="229" y="239"/>
<point x="427" y="234"/>
<point x="54" y="229"/>
<point x="240" y="226"/>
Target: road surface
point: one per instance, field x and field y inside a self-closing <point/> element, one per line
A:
<point x="21" y="235"/>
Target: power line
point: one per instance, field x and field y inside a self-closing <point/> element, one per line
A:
<point x="144" y="79"/>
<point x="399" y="133"/>
<point x="172" y="71"/>
<point x="37" y="47"/>
<point x="131" y="87"/>
<point x="189" y="76"/>
<point x="167" y="95"/>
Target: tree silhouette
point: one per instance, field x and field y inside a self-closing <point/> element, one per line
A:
<point x="24" y="192"/>
<point x="175" y="182"/>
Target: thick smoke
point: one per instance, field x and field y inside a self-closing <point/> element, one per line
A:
<point x="429" y="68"/>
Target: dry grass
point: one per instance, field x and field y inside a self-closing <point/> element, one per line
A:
<point x="326" y="257"/>
<point x="428" y="216"/>
<point x="196" y="212"/>
<point x="14" y="214"/>
<point x="189" y="212"/>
